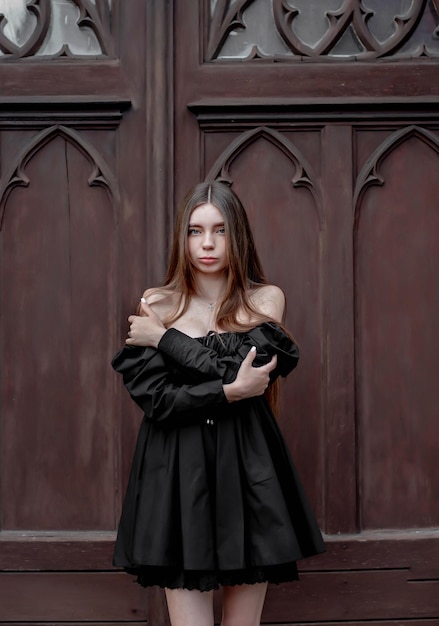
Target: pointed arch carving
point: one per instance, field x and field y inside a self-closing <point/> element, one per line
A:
<point x="303" y="177"/>
<point x="370" y="173"/>
<point x="16" y="175"/>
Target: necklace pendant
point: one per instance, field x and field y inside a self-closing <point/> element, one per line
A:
<point x="210" y="305"/>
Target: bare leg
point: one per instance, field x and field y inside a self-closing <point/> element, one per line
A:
<point x="190" y="607"/>
<point x="243" y="604"/>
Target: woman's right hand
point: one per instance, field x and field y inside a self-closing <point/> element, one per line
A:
<point x="250" y="381"/>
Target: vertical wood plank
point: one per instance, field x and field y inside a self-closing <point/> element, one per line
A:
<point x="338" y="386"/>
<point x="159" y="108"/>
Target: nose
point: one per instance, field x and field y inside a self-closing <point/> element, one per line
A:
<point x="208" y="242"/>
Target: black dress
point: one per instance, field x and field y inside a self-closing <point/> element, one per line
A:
<point x="213" y="496"/>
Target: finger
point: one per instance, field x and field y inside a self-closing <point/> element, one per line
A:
<point x="147" y="309"/>
<point x="268" y="367"/>
<point x="144" y="306"/>
<point x="251" y="355"/>
<point x="132" y="318"/>
<point x="272" y="364"/>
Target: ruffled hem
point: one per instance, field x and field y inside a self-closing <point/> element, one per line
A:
<point x="173" y="578"/>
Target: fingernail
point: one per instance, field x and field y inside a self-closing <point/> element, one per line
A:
<point x="143" y="300"/>
<point x="253" y="349"/>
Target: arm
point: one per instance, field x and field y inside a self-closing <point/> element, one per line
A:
<point x="268" y="338"/>
<point x="150" y="384"/>
<point x="205" y="364"/>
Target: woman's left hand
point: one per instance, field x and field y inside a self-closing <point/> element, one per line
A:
<point x="145" y="330"/>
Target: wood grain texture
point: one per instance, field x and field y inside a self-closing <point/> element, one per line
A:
<point x="71" y="597"/>
<point x="364" y="595"/>
<point x="366" y="459"/>
<point x="58" y="246"/>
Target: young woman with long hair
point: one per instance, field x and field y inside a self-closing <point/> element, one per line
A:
<point x="213" y="498"/>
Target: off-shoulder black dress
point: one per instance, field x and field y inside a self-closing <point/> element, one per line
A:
<point x="213" y="496"/>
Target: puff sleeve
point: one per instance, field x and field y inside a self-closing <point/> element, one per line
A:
<point x="195" y="358"/>
<point x="152" y="386"/>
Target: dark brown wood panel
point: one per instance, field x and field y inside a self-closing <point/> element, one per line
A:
<point x="353" y="596"/>
<point x="55" y="551"/>
<point x="397" y="338"/>
<point x="58" y="253"/>
<point x="52" y="597"/>
<point x="373" y="622"/>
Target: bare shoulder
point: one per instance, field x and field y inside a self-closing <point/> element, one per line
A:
<point x="161" y="300"/>
<point x="154" y="295"/>
<point x="269" y="300"/>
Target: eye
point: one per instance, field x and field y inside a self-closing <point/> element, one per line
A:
<point x="221" y="231"/>
<point x="194" y="231"/>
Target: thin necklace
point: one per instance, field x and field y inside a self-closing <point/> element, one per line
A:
<point x="210" y="305"/>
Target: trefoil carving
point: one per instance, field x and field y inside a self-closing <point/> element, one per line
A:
<point x="49" y="39"/>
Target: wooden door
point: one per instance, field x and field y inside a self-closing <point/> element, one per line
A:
<point x="324" y="117"/>
<point x="328" y="128"/>
<point x="75" y="173"/>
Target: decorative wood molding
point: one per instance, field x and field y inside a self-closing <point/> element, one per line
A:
<point x="227" y="16"/>
<point x="370" y="173"/>
<point x="97" y="17"/>
<point x="304" y="175"/>
<point x="352" y="13"/>
<point x="80" y="111"/>
<point x="227" y="112"/>
<point x="15" y="176"/>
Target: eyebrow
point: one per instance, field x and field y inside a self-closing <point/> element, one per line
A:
<point x="200" y="226"/>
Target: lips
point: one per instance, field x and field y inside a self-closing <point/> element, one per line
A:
<point x="208" y="260"/>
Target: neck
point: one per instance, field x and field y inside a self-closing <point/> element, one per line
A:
<point x="211" y="288"/>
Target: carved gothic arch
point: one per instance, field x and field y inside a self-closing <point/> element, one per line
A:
<point x="16" y="176"/>
<point x="303" y="177"/>
<point x="370" y="173"/>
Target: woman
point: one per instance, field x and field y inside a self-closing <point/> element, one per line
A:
<point x="213" y="498"/>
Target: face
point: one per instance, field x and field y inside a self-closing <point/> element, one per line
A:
<point x="206" y="242"/>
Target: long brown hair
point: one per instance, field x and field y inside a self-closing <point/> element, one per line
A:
<point x="244" y="267"/>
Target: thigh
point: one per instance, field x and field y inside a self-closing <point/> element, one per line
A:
<point x="243" y="604"/>
<point x="190" y="607"/>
